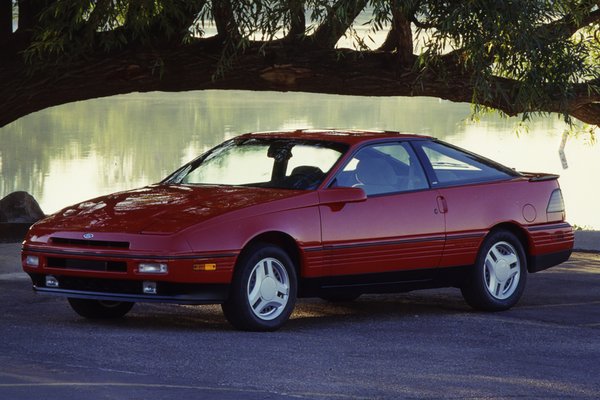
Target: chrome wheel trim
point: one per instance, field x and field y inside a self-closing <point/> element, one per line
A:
<point x="502" y="270"/>
<point x="268" y="289"/>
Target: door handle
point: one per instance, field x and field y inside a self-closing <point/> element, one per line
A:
<point x="442" y="205"/>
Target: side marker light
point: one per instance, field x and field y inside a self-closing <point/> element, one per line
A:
<point x="204" y="267"/>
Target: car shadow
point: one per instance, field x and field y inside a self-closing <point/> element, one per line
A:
<point x="373" y="308"/>
<point x="308" y="313"/>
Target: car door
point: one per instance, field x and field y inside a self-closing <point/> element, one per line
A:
<point x="399" y="226"/>
<point x="473" y="190"/>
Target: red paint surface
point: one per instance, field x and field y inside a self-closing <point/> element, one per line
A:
<point x="336" y="233"/>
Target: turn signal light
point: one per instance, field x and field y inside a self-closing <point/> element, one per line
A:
<point x="204" y="267"/>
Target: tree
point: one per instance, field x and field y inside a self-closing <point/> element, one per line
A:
<point x="515" y="56"/>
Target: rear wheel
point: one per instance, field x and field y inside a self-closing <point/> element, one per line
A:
<point x="499" y="275"/>
<point x="100" y="309"/>
<point x="263" y="290"/>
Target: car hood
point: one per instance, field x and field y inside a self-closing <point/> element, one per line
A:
<point x="163" y="209"/>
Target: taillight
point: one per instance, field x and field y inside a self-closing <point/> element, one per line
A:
<point x="556" y="203"/>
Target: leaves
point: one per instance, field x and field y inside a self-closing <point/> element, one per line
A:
<point x="517" y="40"/>
<point x="520" y="56"/>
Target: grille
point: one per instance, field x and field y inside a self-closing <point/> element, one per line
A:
<point x="90" y="243"/>
<point x="87" y="265"/>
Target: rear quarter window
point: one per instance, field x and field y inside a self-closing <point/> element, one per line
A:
<point x="453" y="166"/>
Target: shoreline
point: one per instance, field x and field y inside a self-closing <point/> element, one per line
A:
<point x="587" y="241"/>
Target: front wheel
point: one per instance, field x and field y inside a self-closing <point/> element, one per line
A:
<point x="100" y="309"/>
<point x="263" y="290"/>
<point x="499" y="275"/>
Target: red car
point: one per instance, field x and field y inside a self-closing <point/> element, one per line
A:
<point x="265" y="218"/>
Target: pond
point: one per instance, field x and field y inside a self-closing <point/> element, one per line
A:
<point x="77" y="151"/>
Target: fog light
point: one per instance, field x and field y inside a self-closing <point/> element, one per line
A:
<point x="153" y="268"/>
<point x="51" y="281"/>
<point x="149" y="287"/>
<point x="32" y="261"/>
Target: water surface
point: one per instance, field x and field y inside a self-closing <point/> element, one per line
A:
<point x="77" y="151"/>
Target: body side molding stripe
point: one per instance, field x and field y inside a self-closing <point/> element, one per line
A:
<point x="382" y="243"/>
<point x="130" y="256"/>
<point x="547" y="227"/>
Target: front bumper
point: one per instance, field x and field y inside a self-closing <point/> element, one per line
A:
<point x="114" y="274"/>
<point x="130" y="290"/>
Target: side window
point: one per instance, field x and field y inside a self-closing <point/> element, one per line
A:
<point x="384" y="168"/>
<point x="308" y="166"/>
<point x="319" y="158"/>
<point x="452" y="166"/>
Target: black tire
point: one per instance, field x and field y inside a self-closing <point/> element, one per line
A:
<point x="498" y="278"/>
<point x="99" y="309"/>
<point x="263" y="290"/>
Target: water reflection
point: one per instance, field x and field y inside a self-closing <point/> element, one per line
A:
<point x="77" y="151"/>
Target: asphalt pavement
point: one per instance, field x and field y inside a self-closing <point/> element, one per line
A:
<point x="419" y="345"/>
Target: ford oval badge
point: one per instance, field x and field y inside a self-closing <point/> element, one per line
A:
<point x="88" y="235"/>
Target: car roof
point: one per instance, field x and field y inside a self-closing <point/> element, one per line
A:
<point x="348" y="136"/>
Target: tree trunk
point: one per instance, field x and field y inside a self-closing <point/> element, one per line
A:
<point x="400" y="39"/>
<point x="5" y="20"/>
<point x="28" y="10"/>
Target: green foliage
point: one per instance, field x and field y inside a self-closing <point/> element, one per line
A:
<point x="521" y="56"/>
<point x="519" y="40"/>
<point x="69" y="29"/>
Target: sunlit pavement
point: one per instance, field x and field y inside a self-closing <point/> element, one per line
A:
<point x="425" y="344"/>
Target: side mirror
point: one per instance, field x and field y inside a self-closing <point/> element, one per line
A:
<point x="341" y="195"/>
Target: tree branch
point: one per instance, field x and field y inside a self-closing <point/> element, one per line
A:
<point x="400" y="38"/>
<point x="135" y="9"/>
<point x="170" y="23"/>
<point x="225" y="20"/>
<point x="149" y="62"/>
<point x="314" y="69"/>
<point x="339" y="18"/>
<point x="5" y="20"/>
<point x="97" y="16"/>
<point x="297" y="20"/>
<point x="179" y="18"/>
<point x="568" y="25"/>
<point x="421" y="25"/>
<point x="590" y="113"/>
<point x="29" y="11"/>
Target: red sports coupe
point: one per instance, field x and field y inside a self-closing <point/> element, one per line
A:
<point x="265" y="218"/>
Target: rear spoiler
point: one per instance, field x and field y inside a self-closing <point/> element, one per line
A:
<point x="539" y="177"/>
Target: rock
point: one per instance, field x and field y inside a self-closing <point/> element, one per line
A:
<point x="20" y="207"/>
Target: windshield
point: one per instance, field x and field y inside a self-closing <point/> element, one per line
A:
<point x="272" y="163"/>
